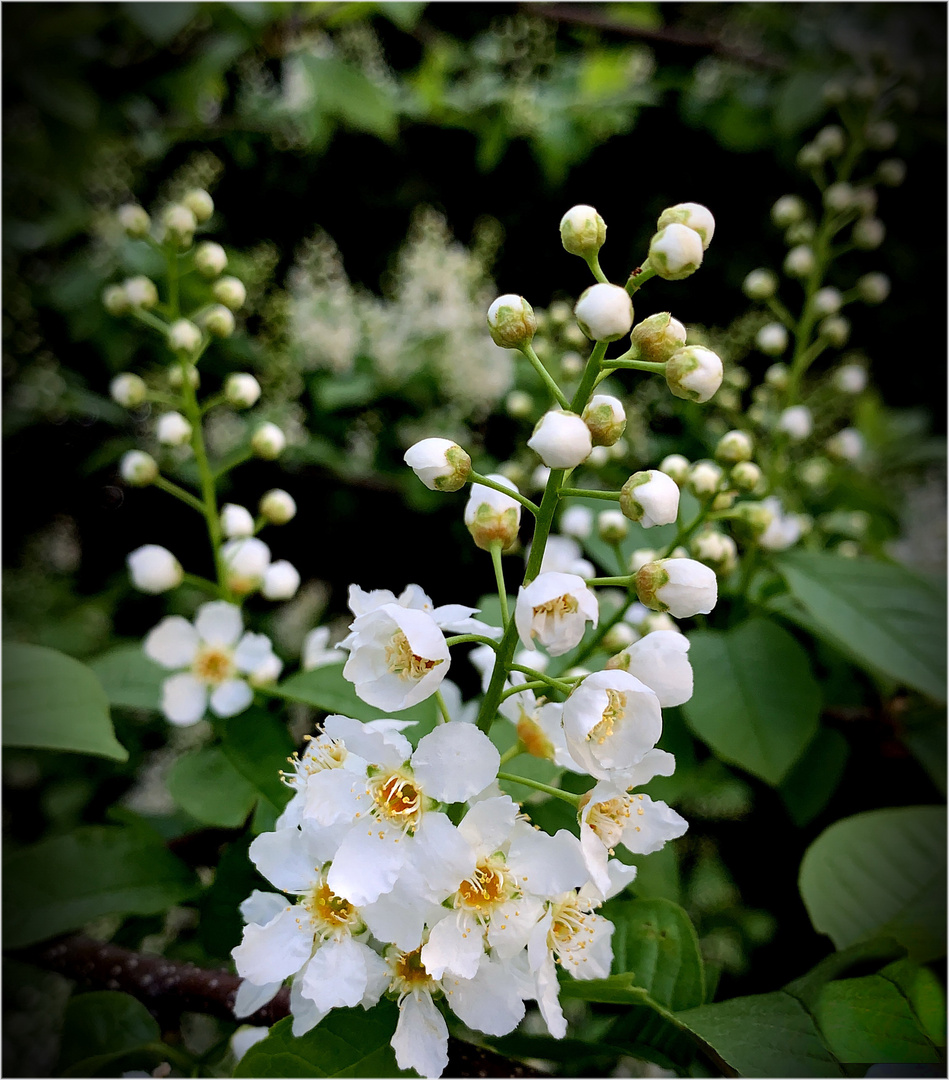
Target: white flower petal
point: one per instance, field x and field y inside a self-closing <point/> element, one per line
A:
<point x="455" y="761"/>
<point x="250" y="997"/>
<point x="219" y="623"/>
<point x="183" y="699"/>
<point x="455" y="945"/>
<point x="366" y="864"/>
<point x="400" y="917"/>
<point x="660" y="661"/>
<point x="620" y="875"/>
<point x="488" y="823"/>
<point x="378" y="742"/>
<point x="336" y="976"/>
<point x="271" y="952"/>
<point x="512" y="924"/>
<point x="231" y="697"/>
<point x="649" y="830"/>
<point x="333" y="796"/>
<point x="253" y="650"/>
<point x="490" y="1001"/>
<point x="547" y="865"/>
<point x="440" y="854"/>
<point x="172" y="643"/>
<point x="420" y="1041"/>
<point x="304" y="1012"/>
<point x="289" y="858"/>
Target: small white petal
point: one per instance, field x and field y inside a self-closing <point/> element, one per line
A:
<point x="488" y="823"/>
<point x="172" y="643"/>
<point x="250" y="997"/>
<point x="440" y="854"/>
<point x="551" y="864"/>
<point x="289" y="858"/>
<point x="272" y="952"/>
<point x="231" y="697"/>
<point x="490" y="1001"/>
<point x="420" y="1041"/>
<point x="252" y="652"/>
<point x="260" y="907"/>
<point x="455" y="761"/>
<point x="183" y="699"/>
<point x="366" y="865"/>
<point x="336" y="976"/>
<point x="219" y="623"/>
<point x="455" y="946"/>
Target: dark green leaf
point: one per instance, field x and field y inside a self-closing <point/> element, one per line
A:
<point x="62" y="883"/>
<point x="403" y="13"/>
<point x="104" y="1022"/>
<point x="889" y="620"/>
<point x="160" y="22"/>
<point x="809" y="785"/>
<point x="129" y="677"/>
<point x="925" y="993"/>
<point x="756" y="703"/>
<point x="799" y="102"/>
<point x="53" y="702"/>
<point x="257" y="744"/>
<point x="881" y="873"/>
<point x="344" y="92"/>
<point x="348" y="1042"/>
<point x="206" y="785"/>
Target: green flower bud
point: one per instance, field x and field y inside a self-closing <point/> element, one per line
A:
<point x="734" y="446"/>
<point x="746" y="477"/>
<point x="511" y="321"/>
<point x="582" y="231"/>
<point x="134" y="220"/>
<point x="115" y="300"/>
<point x="658" y="337"/>
<point x="200" y="203"/>
<point x="606" y="419"/>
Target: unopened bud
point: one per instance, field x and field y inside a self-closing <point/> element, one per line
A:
<point x="184" y="336"/>
<point x="519" y="404"/>
<point x="612" y="526"/>
<point x="134" y="220"/>
<point x="788" y="210"/>
<point x="617" y="638"/>
<point x="577" y="521"/>
<point x="236" y="521"/>
<point x="561" y="439"/>
<point x="245" y="562"/>
<point x="210" y="258"/>
<point x="658" y="337"/>
<point x="734" y="446"/>
<point x="176" y="379"/>
<point x="268" y="441"/>
<point x="200" y="203"/>
<point x="868" y="233"/>
<point x="675" y="252"/>
<point x="760" y="285"/>
<point x="676" y="466"/>
<point x="651" y="498"/>
<point x="511" y="321"/>
<point x="682" y="587"/>
<point x="179" y="223"/>
<point x="138" y="468"/>
<point x="831" y="140"/>
<point x="115" y="300"/>
<point x="604" y="312"/>
<point x="716" y="550"/>
<point x="582" y="231"/>
<point x="803" y="232"/>
<point x="777" y="376"/>
<point x="491" y="516"/>
<point x="835" y="329"/>
<point x="230" y="292"/>
<point x="694" y="373"/>
<point x="705" y="478"/>
<point x="172" y="429"/>
<point x="797" y="422"/>
<point x="128" y="390"/>
<point x="745" y="477"/>
<point x="846" y="445"/>
<point x="839" y="197"/>
<point x="278" y="506"/>
<point x="851" y="378"/>
<point x="606" y="419"/>
<point x="799" y="261"/>
<point x="281" y="581"/>
<point x="873" y="288"/>
<point x="638" y="559"/>
<point x="241" y="390"/>
<point x="827" y="301"/>
<point x="752" y="519"/>
<point x="219" y="321"/>
<point x="865" y="200"/>
<point x="810" y="156"/>
<point x="892" y="172"/>
<point x="153" y="569"/>
<point x="140" y="292"/>
<point x="441" y="465"/>
<point x="693" y="216"/>
<point x="881" y="135"/>
<point x="772" y="339"/>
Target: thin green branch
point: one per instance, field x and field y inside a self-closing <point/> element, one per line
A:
<point x="486" y="481"/>
<point x="589" y="493"/>
<point x="528" y="350"/>
<point x="499" y="579"/>
<point x="566" y="796"/>
<point x="179" y="493"/>
<point x="461" y="639"/>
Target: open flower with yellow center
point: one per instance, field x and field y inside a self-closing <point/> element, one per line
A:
<point x="610" y="721"/>
<point x="217" y="659"/>
<point x="554" y="609"/>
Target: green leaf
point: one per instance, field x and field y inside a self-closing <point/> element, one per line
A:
<point x="257" y="745"/>
<point x="344" y="92"/>
<point x="206" y="785"/>
<point x="809" y="785"/>
<point x="160" y="22"/>
<point x="925" y="994"/>
<point x="868" y="1020"/>
<point x="104" y="1023"/>
<point x="798" y="102"/>
<point x="62" y="883"/>
<point x="890" y="621"/>
<point x="403" y="13"/>
<point x="347" y="1042"/>
<point x="129" y="677"/>
<point x="54" y="702"/>
<point x="756" y="703"/>
<point x="881" y="873"/>
<point x="763" y="1035"/>
<point x="655" y="941"/>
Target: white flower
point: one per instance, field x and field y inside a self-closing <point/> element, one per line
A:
<point x="281" y="581"/>
<point x="511" y="321"/>
<point x="605" y="416"/>
<point x="604" y="312"/>
<point x="138" y="468"/>
<point x="693" y="215"/>
<point x="242" y="390"/>
<point x="660" y="661"/>
<point x="236" y="520"/>
<point x="245" y="562"/>
<point x="230" y="292"/>
<point x="847" y="445"/>
<point x="784" y="529"/>
<point x="214" y="655"/>
<point x="694" y="373"/>
<point x="577" y="521"/>
<point x="172" y="429"/>
<point x="704" y="478"/>
<point x="268" y="441"/>
<point x="851" y="378"/>
<point x="315" y="652"/>
<point x="455" y="618"/>
<point x="154" y="569"/>
<point x="128" y="389"/>
<point x="210" y="258"/>
<point x="277" y="506"/>
<point x="561" y="439"/>
<point x="440" y="464"/>
<point x="612" y="526"/>
<point x="183" y="336"/>
<point x="675" y="252"/>
<point x="797" y="422"/>
<point x="491" y="515"/>
<point x="772" y="339"/>
<point x="683" y="587"/>
<point x="582" y="231"/>
<point x="651" y="498"/>
<point x="610" y="720"/>
<point x="555" y="609"/>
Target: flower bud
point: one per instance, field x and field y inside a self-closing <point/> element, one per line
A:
<point x="650" y="497"/>
<point x="154" y="569"/>
<point x="604" y="312"/>
<point x="268" y="441"/>
<point x="831" y="140"/>
<point x="140" y="292"/>
<point x="868" y="233"/>
<point x="799" y="261"/>
<point x="753" y="519"/>
<point x="138" y="468"/>
<point x="577" y="521"/>
<point x="734" y="446"/>
<point x="682" y="587"/>
<point x="511" y="321"/>
<point x="675" y="252"/>
<point x="611" y="526"/>
<point x="115" y="300"/>
<point x="176" y="379"/>
<point x="777" y="376"/>
<point x="241" y="390"/>
<point x="638" y="559"/>
<point x="539" y="477"/>
<point x="676" y="466"/>
<point x="839" y="197"/>
<point x="172" y="429"/>
<point x="851" y="378"/>
<point x="599" y="456"/>
<point x="814" y="473"/>
<point x="797" y="422"/>
<point x="441" y="465"/>
<point x="519" y="404"/>
<point x="658" y="337"/>
<point x="881" y="135"/>
<point x="873" y="288"/>
<point x="760" y="285"/>
<point x="716" y="550"/>
<point x="179" y="223"/>
<point x="245" y="563"/>
<point x="788" y="210"/>
<point x="210" y="258"/>
<point x="835" y="328"/>
<point x="865" y="200"/>
<point x="128" y="390"/>
<point x="183" y="336"/>
<point x="281" y="581"/>
<point x="846" y="445"/>
<point x="801" y="233"/>
<point x="705" y="478"/>
<point x="693" y="216"/>
<point x="745" y="476"/>
<point x="618" y="637"/>
<point x="694" y="373"/>
<point x="277" y="506"/>
<point x="236" y="521"/>
<point x="230" y="292"/>
<point x="892" y="172"/>
<point x="492" y="516"/>
<point x="772" y="339"/>
<point x="218" y="321"/>
<point x="561" y="439"/>
<point x="200" y="203"/>
<point x="827" y="301"/>
<point x="606" y="419"/>
<point x="810" y="156"/>
<point x="134" y="220"/>
<point x="582" y="231"/>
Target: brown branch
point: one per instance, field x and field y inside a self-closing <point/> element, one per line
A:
<point x="170" y="987"/>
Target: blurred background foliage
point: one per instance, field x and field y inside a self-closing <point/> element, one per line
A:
<point x="380" y="172"/>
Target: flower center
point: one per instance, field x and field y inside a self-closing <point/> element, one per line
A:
<point x="213" y="664"/>
<point x="397" y="798"/>
<point x="614" y="711"/>
<point x="489" y="885"/>
<point x="556" y="609"/>
<point x="532" y="736"/>
<point x="322" y="753"/>
<point x="408" y="971"/>
<point x="401" y="661"/>
<point x="572" y="929"/>
<point x="330" y="913"/>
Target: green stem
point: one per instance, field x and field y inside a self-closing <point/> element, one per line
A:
<point x="593" y="261"/>
<point x="173" y="302"/>
<point x="202" y="583"/>
<point x="638" y="280"/>
<point x="179" y="493"/>
<point x="151" y="320"/>
<point x="528" y="350"/>
<point x="213" y="402"/>
<point x="574" y="800"/>
<point x="778" y="309"/>
<point x="485" y="481"/>
<point x="512" y="690"/>
<point x="499" y="579"/>
<point x="635" y="365"/>
<point x="512" y="752"/>
<point x="625" y="581"/>
<point x="549" y="680"/>
<point x="590" y="372"/>
<point x="442" y="707"/>
<point x="461" y="639"/>
<point x="590" y="493"/>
